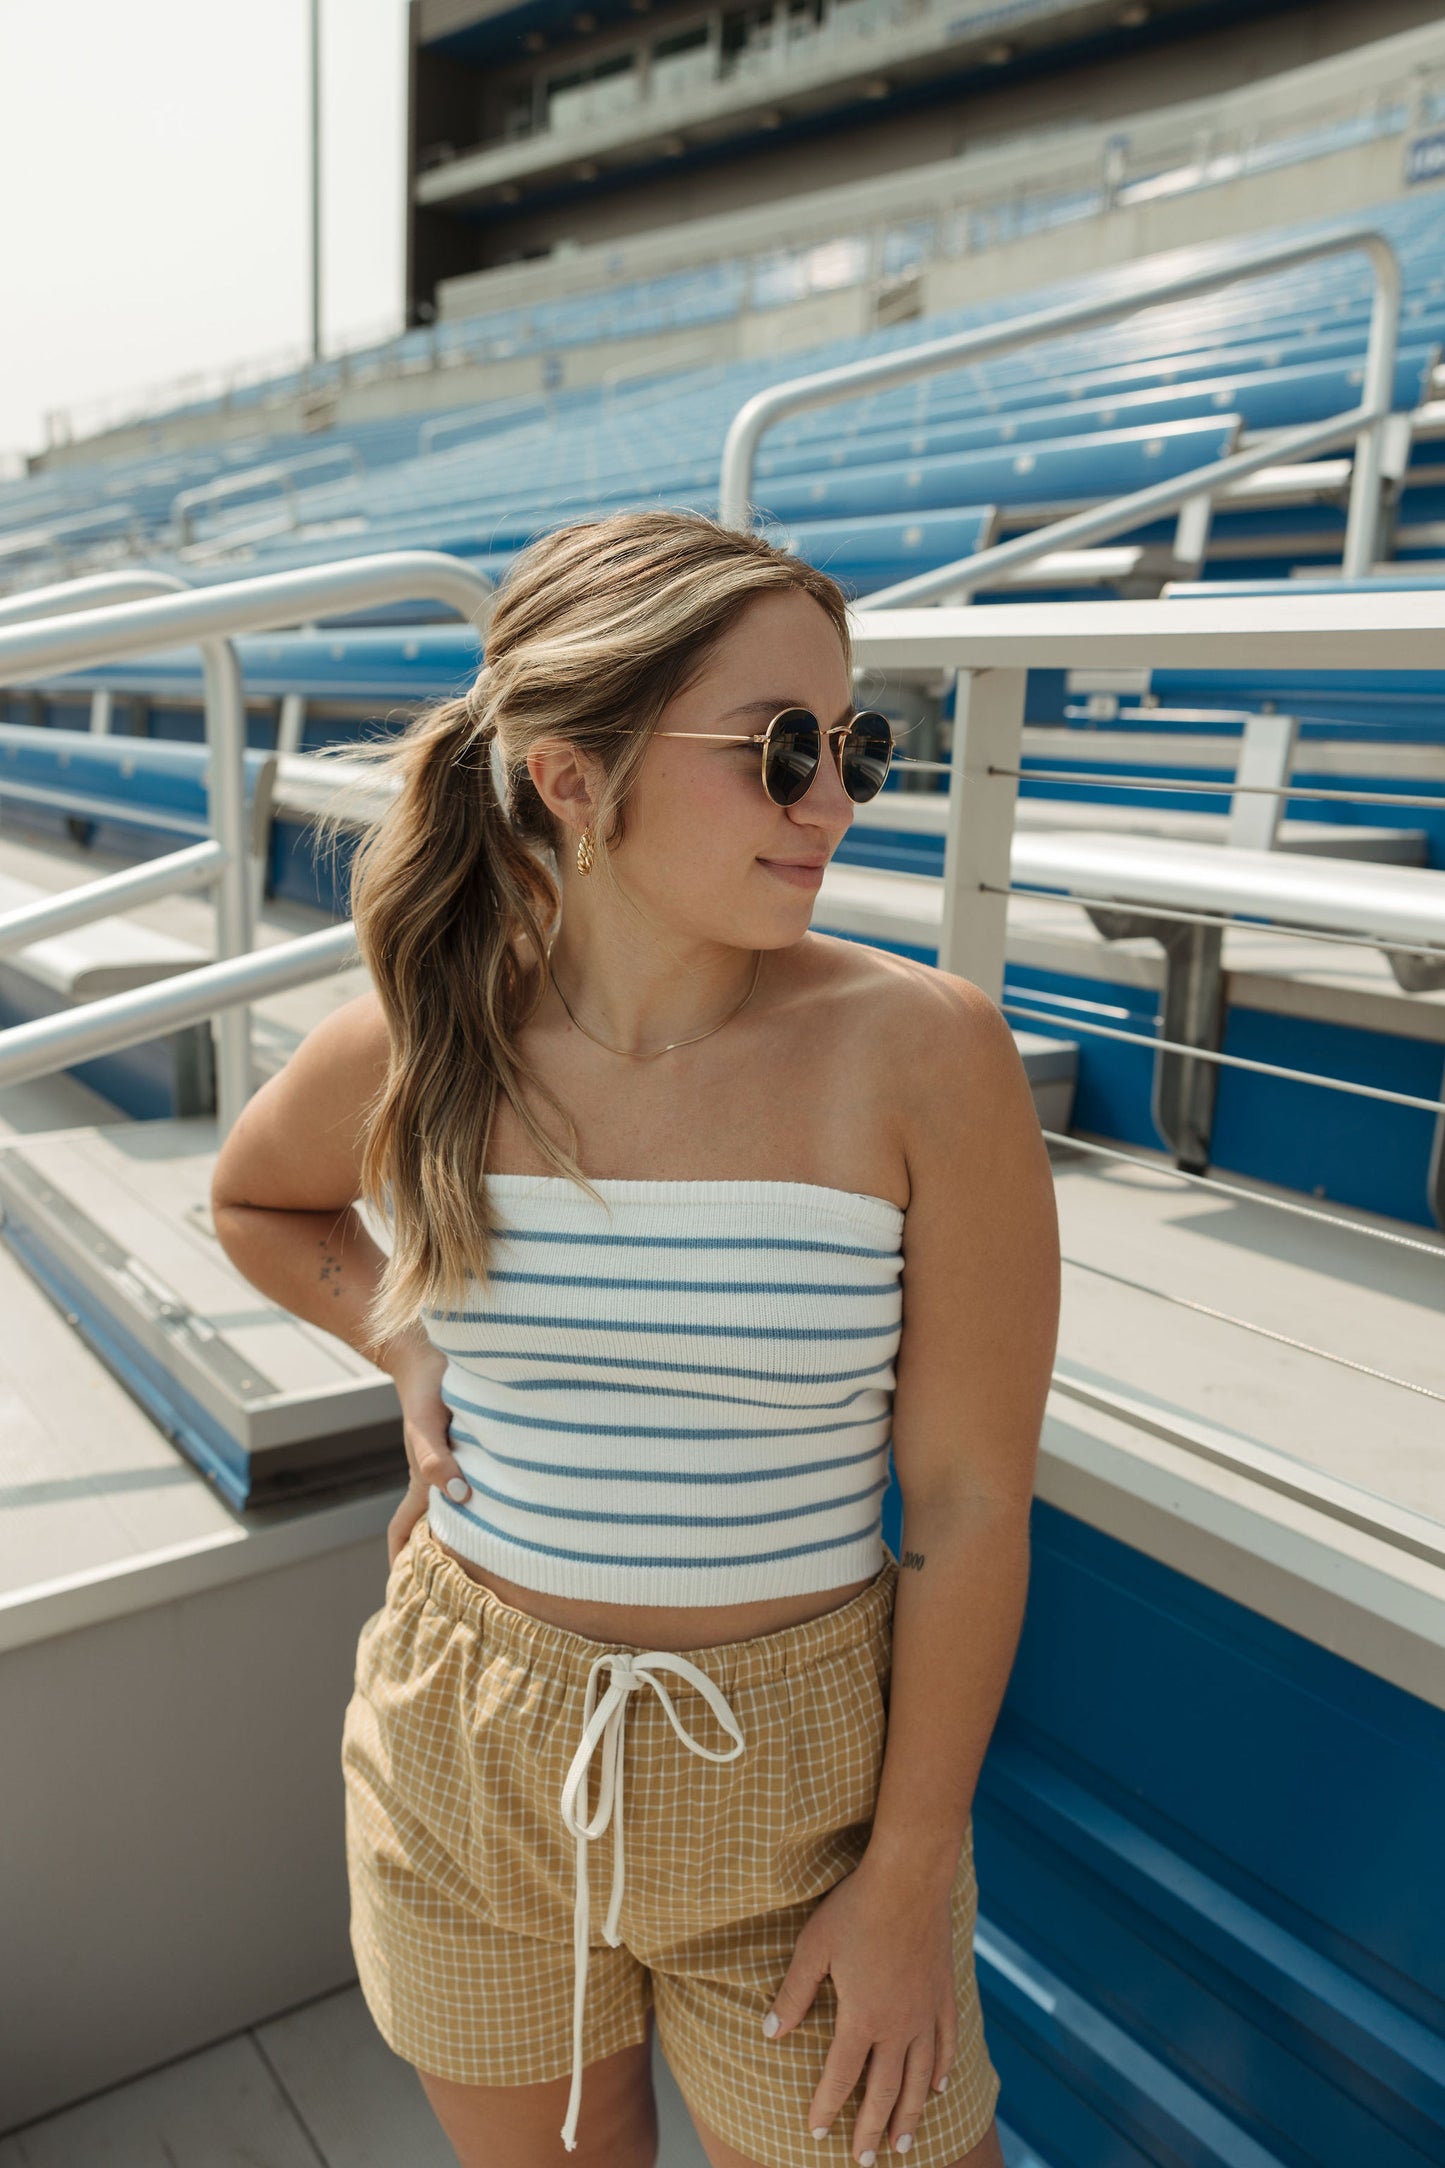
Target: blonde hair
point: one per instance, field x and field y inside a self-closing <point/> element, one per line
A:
<point x="597" y="627"/>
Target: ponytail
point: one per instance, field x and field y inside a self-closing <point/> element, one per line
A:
<point x="440" y="889"/>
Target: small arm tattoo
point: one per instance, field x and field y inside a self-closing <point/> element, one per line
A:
<point x="912" y="1558"/>
<point x="330" y="1266"/>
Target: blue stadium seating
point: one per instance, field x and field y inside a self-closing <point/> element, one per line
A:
<point x="886" y="484"/>
<point x="870" y="553"/>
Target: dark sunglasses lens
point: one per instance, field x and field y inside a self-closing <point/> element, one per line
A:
<point x="867" y="751"/>
<point x="790" y="757"/>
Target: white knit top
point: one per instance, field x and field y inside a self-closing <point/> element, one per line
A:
<point x="682" y="1399"/>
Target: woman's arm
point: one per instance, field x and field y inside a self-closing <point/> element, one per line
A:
<point x="286" y="1179"/>
<point x="980" y="1306"/>
<point x="981" y="1312"/>
<point x="283" y="1204"/>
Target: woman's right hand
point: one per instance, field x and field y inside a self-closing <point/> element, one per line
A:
<point x="425" y="1420"/>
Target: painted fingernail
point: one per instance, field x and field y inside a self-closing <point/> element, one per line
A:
<point x="770" y="2023"/>
<point x="866" y="2160"/>
<point x="941" y="2082"/>
<point x="460" y="1489"/>
<point x="904" y="2142"/>
<point x="820" y="2130"/>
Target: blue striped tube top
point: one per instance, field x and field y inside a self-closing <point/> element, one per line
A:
<point x="685" y="1398"/>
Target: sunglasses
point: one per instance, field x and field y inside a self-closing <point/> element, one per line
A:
<point x="793" y="746"/>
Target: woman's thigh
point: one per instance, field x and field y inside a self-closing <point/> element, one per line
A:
<point x="988" y="2153"/>
<point x="520" y="2126"/>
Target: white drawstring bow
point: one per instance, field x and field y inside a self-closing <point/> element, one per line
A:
<point x="605" y="1721"/>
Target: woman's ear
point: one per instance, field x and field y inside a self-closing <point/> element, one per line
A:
<point x="561" y="782"/>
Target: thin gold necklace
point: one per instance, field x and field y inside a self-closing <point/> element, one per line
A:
<point x="622" y="1050"/>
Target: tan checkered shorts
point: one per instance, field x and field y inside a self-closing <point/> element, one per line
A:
<point x="468" y="1716"/>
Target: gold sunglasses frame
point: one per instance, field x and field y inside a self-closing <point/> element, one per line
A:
<point x="761" y="737"/>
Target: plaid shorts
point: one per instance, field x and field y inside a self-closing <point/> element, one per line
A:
<point x="485" y="1953"/>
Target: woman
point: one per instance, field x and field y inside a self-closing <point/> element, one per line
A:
<point x="648" y="1408"/>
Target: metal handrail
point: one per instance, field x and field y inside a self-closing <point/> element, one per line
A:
<point x="26" y="541"/>
<point x="1388" y="630"/>
<point x="102" y="597"/>
<point x="208" y="616"/>
<point x="486" y="420"/>
<point x="985" y="568"/>
<point x="268" y="603"/>
<point x="89" y="594"/>
<point x="992" y="650"/>
<point x="1144" y="290"/>
<point x="49" y="1043"/>
<point x="199" y="865"/>
<point x="281" y="471"/>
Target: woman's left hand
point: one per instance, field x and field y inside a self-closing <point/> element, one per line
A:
<point x="889" y="1952"/>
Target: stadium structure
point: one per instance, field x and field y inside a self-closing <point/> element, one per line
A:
<point x="1097" y="349"/>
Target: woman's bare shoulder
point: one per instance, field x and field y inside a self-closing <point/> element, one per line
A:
<point x="926" y="1037"/>
<point x="885" y="993"/>
<point x="297" y="1142"/>
<point x="350" y="1045"/>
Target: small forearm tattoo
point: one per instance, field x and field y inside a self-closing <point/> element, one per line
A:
<point x="912" y="1558"/>
<point x="330" y="1274"/>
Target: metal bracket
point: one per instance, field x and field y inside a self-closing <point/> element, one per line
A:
<point x="1417" y="971"/>
<point x="1435" y="1178"/>
<point x="1195" y="1010"/>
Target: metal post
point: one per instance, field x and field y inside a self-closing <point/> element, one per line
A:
<point x="1264" y="767"/>
<point x="316" y="180"/>
<point x="1193" y="1013"/>
<point x="988" y="719"/>
<point x="1362" y="525"/>
<point x="291" y="723"/>
<point x="226" y="804"/>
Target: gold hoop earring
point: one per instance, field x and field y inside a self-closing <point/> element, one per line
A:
<point x="584" y="852"/>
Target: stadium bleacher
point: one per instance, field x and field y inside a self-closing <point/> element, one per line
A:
<point x="1065" y="425"/>
<point x="887" y="485"/>
<point x="892" y="483"/>
<point x="1198" y="1999"/>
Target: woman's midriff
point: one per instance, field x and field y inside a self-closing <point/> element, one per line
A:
<point x="655" y="1626"/>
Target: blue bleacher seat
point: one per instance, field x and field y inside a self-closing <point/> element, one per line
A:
<point x="870" y="553"/>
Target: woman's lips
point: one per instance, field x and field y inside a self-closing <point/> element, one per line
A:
<point x="797" y="876"/>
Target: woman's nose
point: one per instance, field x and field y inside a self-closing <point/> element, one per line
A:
<point x="825" y="796"/>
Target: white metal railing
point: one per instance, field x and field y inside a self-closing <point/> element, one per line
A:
<point x="209" y="617"/>
<point x="66" y="613"/>
<point x="485" y="421"/>
<point x="1149" y="285"/>
<point x="279" y="474"/>
<point x="991" y="567"/>
<point x="104" y="523"/>
<point x="88" y="594"/>
<point x="214" y="989"/>
<point x="199" y="865"/>
<point x="990" y="653"/>
<point x="1182" y="895"/>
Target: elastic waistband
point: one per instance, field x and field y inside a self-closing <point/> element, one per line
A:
<point x="864" y="1618"/>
